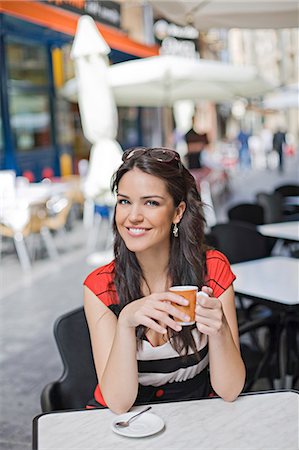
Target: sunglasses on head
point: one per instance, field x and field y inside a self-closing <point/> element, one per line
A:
<point x="159" y="154"/>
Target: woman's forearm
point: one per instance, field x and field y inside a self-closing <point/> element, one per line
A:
<point x="227" y="370"/>
<point x="119" y="382"/>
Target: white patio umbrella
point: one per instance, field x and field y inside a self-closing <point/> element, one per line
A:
<point x="97" y="108"/>
<point x="283" y="98"/>
<point x="164" y="79"/>
<point x="206" y="14"/>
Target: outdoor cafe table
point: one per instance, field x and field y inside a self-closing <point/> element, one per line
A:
<point x="37" y="193"/>
<point x="255" y="421"/>
<point x="282" y="230"/>
<point x="274" y="282"/>
<point x="291" y="201"/>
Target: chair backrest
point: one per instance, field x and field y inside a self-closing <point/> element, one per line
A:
<point x="240" y="242"/>
<point x="288" y="190"/>
<point x="273" y="206"/>
<point x="77" y="383"/>
<point x="247" y="212"/>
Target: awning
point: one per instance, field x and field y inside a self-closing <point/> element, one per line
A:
<point x="204" y="15"/>
<point x="66" y="22"/>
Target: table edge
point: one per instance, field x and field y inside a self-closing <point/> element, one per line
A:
<point x="244" y="394"/>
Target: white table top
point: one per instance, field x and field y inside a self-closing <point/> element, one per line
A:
<point x="33" y="194"/>
<point x="41" y="192"/>
<point x="282" y="230"/>
<point x="274" y="279"/>
<point x="256" y="422"/>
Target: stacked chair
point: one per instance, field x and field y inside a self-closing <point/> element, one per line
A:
<point x="272" y="203"/>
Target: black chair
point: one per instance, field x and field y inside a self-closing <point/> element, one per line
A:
<point x="272" y="205"/>
<point x="288" y="190"/>
<point x="259" y="353"/>
<point x="77" y="383"/>
<point x="210" y="240"/>
<point x="247" y="212"/>
<point x="240" y="241"/>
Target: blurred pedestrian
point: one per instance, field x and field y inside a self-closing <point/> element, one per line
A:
<point x="279" y="141"/>
<point x="244" y="154"/>
<point x="266" y="136"/>
<point x="196" y="143"/>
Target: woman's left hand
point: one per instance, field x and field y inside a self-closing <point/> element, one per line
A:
<point x="209" y="315"/>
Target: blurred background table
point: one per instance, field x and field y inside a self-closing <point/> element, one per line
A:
<point x="283" y="230"/>
<point x="274" y="282"/>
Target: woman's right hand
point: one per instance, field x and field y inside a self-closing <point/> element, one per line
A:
<point x="154" y="312"/>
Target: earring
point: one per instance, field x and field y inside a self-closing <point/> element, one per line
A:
<point x="175" y="230"/>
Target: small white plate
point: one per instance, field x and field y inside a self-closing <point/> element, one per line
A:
<point x="144" y="425"/>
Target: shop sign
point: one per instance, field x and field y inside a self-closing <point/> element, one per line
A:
<point x="103" y="11"/>
<point x="175" y="39"/>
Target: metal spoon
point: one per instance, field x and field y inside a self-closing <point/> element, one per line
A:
<point x="126" y="423"/>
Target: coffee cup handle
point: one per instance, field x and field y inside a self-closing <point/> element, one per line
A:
<point x="203" y="293"/>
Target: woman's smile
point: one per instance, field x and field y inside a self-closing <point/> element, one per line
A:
<point x="137" y="232"/>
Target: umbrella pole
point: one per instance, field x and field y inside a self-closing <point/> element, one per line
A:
<point x="168" y="127"/>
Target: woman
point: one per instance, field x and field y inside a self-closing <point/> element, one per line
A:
<point x="141" y="354"/>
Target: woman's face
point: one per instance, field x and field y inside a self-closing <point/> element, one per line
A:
<point x="145" y="212"/>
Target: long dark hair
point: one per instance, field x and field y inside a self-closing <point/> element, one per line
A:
<point x="187" y="252"/>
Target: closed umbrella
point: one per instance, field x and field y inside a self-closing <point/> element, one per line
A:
<point x="97" y="108"/>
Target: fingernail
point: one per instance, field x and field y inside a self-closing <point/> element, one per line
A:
<point x="178" y="328"/>
<point x="187" y="318"/>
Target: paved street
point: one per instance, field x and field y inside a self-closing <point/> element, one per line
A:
<point x="29" y="305"/>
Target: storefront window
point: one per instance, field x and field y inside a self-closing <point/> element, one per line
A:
<point x="28" y="95"/>
<point x="30" y="120"/>
<point x="27" y="64"/>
